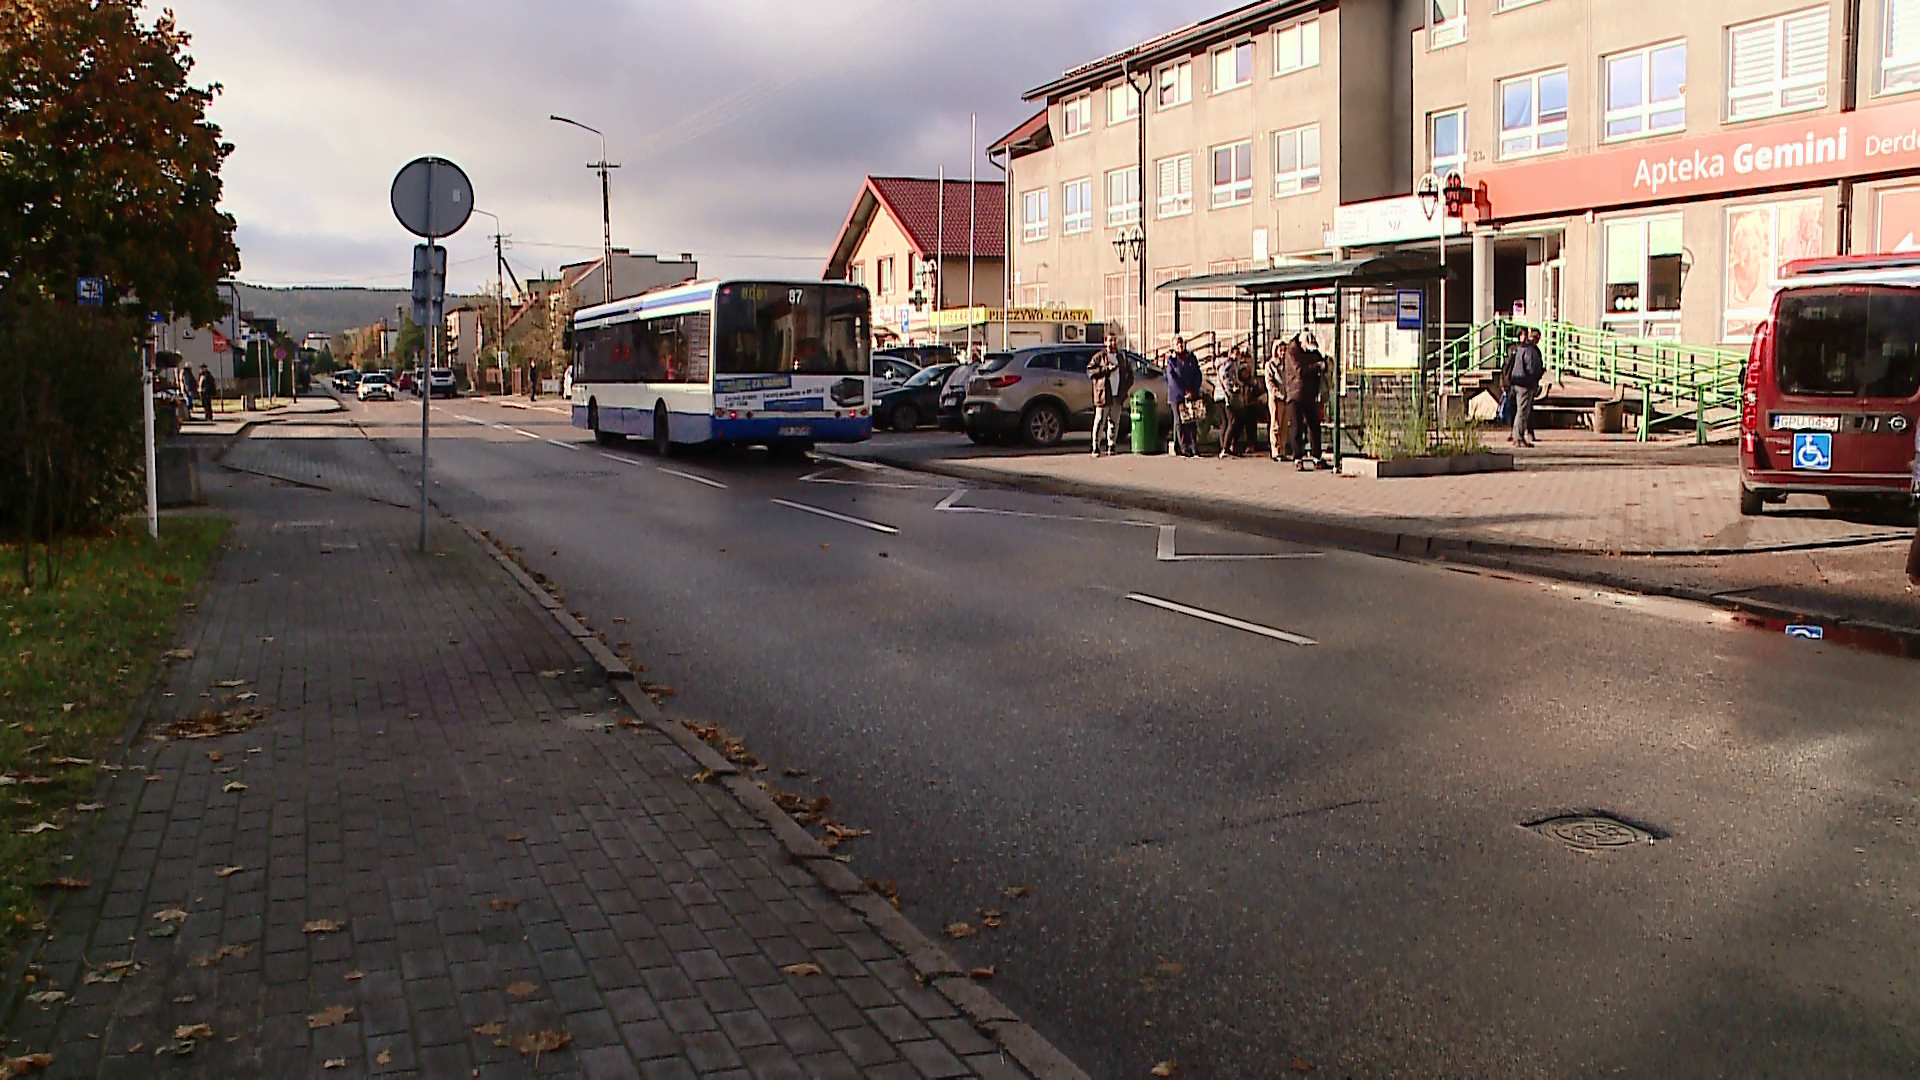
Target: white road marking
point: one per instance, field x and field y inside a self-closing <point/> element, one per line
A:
<point x="853" y="463"/>
<point x="1223" y="620"/>
<point x="863" y="523"/>
<point x="692" y="477"/>
<point x="951" y="504"/>
<point x="562" y="445"/>
<point x="1170" y="553"/>
<point x="470" y="419"/>
<point x="821" y="477"/>
<point x="521" y="431"/>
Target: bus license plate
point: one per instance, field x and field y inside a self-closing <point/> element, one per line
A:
<point x="1795" y="422"/>
<point x="795" y="431"/>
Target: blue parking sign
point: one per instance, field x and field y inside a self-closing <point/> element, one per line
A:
<point x="1813" y="450"/>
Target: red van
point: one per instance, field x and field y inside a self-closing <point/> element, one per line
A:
<point x="1832" y="386"/>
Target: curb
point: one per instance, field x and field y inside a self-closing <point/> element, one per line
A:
<point x="1519" y="558"/>
<point x="930" y="963"/>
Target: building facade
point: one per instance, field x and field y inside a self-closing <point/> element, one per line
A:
<point x="908" y="240"/>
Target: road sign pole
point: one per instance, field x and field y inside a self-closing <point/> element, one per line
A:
<point x="426" y="393"/>
<point x="146" y="396"/>
<point x="427" y="186"/>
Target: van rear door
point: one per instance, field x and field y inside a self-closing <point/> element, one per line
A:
<point x="1846" y="372"/>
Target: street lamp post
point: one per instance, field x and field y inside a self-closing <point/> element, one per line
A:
<point x="1443" y="202"/>
<point x="606" y="208"/>
<point x="499" y="298"/>
<point x="1130" y="246"/>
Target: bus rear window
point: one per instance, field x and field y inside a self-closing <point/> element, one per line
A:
<point x="802" y="329"/>
<point x="1848" y="341"/>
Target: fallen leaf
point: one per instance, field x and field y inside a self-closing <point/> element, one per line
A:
<point x="846" y="832"/>
<point x="65" y="883"/>
<point x="172" y="656"/>
<point x="384" y="1057"/>
<point x="981" y="973"/>
<point x="992" y="918"/>
<point x="1170" y="969"/>
<point x="322" y="926"/>
<point x="522" y="989"/>
<point x="960" y="930"/>
<point x="215" y="755"/>
<point x="503" y="905"/>
<point x="248" y="696"/>
<point x="702" y="777"/>
<point x="192" y="1031"/>
<point x="47" y="997"/>
<point x="886" y="889"/>
<point x="1166" y="1068"/>
<point x="70" y="761"/>
<point x="331" y="1016"/>
<point x="224" y="951"/>
<point x="1300" y="1065"/>
<point x="355" y="976"/>
<point x="170" y="915"/>
<point x="334" y="1063"/>
<point x="541" y="1042"/>
<point x="110" y="973"/>
<point x="552" y="674"/>
<point x="1015" y="892"/>
<point x="21" y="1066"/>
<point x="801" y="971"/>
<point x="184" y="999"/>
<point x="89" y="807"/>
<point x="45" y="826"/>
<point x="491" y="1027"/>
<point x="234" y="785"/>
<point x="516" y="837"/>
<point x="228" y="871"/>
<point x="228" y="684"/>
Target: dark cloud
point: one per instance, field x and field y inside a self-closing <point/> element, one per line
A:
<point x="742" y="126"/>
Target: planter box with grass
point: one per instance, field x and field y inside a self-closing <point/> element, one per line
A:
<point x="1441" y="465"/>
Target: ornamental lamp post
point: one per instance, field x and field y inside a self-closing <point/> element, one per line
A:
<point x="1128" y="246"/>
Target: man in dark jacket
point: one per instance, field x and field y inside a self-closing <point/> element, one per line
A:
<point x="1305" y="366"/>
<point x="1109" y="391"/>
<point x="1184" y="394"/>
<point x="1529" y="369"/>
<point x="204" y="391"/>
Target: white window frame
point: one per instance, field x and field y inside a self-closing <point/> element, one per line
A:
<point x="1648" y="108"/>
<point x="1178" y="203"/>
<point x="1181" y="73"/>
<point x="883" y="275"/>
<point x="1782" y="92"/>
<point x="1239" y="189"/>
<point x="1296" y="47"/>
<point x="1445" y="30"/>
<point x="1664" y="324"/>
<point x="1076" y="108"/>
<point x="857" y="274"/>
<point x="1899" y="71"/>
<point x="1074" y="221"/>
<point x="1121" y="212"/>
<point x="1509" y="5"/>
<point x="1450" y="163"/>
<point x="1301" y="179"/>
<point x="1033" y="215"/>
<point x="1231" y="54"/>
<point x="1538" y="129"/>
<point x="1128" y="100"/>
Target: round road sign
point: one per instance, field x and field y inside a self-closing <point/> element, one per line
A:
<point x="432" y="197"/>
<point x="279" y="354"/>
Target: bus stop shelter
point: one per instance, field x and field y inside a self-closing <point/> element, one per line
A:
<point x="1368" y="315"/>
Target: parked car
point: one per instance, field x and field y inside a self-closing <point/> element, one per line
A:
<point x="346" y="381"/>
<point x="373" y="386"/>
<point x="951" y="414"/>
<point x="920" y="355"/>
<point x="914" y="402"/>
<point x="891" y="371"/>
<point x="1041" y="392"/>
<point x="440" y="383"/>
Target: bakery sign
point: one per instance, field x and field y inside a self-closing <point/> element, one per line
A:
<point x="1806" y="150"/>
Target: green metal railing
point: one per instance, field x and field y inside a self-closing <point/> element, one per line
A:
<point x="1672" y="382"/>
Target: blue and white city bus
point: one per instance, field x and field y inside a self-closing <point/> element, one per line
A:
<point x="784" y="364"/>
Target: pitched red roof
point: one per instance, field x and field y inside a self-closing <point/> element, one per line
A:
<point x="1028" y="137"/>
<point x="915" y="204"/>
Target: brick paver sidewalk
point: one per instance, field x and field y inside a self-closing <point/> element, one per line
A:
<point x="437" y="851"/>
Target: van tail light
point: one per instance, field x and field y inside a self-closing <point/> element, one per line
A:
<point x="1001" y="382"/>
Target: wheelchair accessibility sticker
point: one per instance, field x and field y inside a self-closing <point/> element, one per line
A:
<point x="1813" y="450"/>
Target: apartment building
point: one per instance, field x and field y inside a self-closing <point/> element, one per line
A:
<point x="908" y="240"/>
<point x="1219" y="146"/>
<point x="1648" y="166"/>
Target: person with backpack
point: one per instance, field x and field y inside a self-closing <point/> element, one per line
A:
<point x="1525" y="373"/>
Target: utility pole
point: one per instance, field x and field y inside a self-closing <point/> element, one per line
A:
<point x="939" y="253"/>
<point x="606" y="207"/>
<point x="500" y="298"/>
<point x="973" y="218"/>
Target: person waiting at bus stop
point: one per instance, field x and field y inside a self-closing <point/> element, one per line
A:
<point x="1305" y="367"/>
<point x="1112" y="376"/>
<point x="1184" y="381"/>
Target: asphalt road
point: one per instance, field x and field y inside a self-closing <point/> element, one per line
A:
<point x="1295" y="843"/>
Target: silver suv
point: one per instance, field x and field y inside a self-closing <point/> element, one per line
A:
<point x="1041" y="392"/>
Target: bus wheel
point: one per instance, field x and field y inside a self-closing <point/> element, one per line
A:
<point x="604" y="438"/>
<point x="662" y="445"/>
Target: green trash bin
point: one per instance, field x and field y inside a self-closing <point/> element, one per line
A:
<point x="1146" y="423"/>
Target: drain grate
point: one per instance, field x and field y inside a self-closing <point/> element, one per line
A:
<point x="1594" y="832"/>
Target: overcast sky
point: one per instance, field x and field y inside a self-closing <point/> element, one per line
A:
<point x="743" y="127"/>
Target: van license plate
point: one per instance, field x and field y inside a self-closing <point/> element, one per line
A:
<point x="1792" y="422"/>
<point x="795" y="431"/>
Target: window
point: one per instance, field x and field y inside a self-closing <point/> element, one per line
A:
<point x="1233" y="173"/>
<point x="1176" y="185"/>
<point x="1034" y="295"/>
<point x="1033" y="215"/>
<point x="1296" y="160"/>
<point x="764" y="329"/>
<point x="1076" y="116"/>
<point x="1446" y="23"/>
<point x="1447" y="142"/>
<point x="857" y="273"/>
<point x="1076" y="206"/>
<point x="1777" y="65"/>
<point x="1163" y="304"/>
<point x="1123" y="196"/>
<point x="1119" y="309"/>
<point x="1642" y="273"/>
<point x="884" y="275"/>
<point x="1900" y="46"/>
<point x="1760" y="240"/>
<point x="1647" y="91"/>
<point x="1123" y="104"/>
<point x="1296" y="46"/>
<point x="1176" y="84"/>
<point x="1855" y="341"/>
<point x="1229" y="322"/>
<point x="1533" y="114"/>
<point x="1232" y="67"/>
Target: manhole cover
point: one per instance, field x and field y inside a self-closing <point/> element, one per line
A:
<point x="1593" y="832"/>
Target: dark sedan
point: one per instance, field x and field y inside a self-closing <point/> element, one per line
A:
<point x="913" y="402"/>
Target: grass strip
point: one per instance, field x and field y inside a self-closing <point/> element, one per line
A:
<point x="76" y="658"/>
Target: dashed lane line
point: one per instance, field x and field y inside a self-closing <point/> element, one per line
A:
<point x="662" y="468"/>
<point x="523" y="431"/>
<point x="1222" y="620"/>
<point x="862" y="522"/>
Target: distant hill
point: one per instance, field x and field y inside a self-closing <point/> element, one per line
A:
<point x="305" y="309"/>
